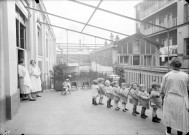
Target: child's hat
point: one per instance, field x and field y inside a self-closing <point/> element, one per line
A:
<point x="99" y="80"/>
<point x="123" y="84"/>
<point x="154" y="84"/>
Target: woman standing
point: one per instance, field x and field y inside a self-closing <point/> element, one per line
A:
<point x="35" y="77"/>
<point x="24" y="80"/>
<point x="176" y="106"/>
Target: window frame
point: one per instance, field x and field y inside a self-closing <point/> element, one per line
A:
<point x="21" y="19"/>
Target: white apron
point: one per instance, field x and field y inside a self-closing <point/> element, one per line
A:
<point x="175" y="114"/>
<point x="24" y="80"/>
<point x="36" y="82"/>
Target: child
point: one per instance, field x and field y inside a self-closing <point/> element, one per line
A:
<point x="155" y="101"/>
<point x="66" y="87"/>
<point x="116" y="98"/>
<point x="124" y="96"/>
<point x="101" y="90"/>
<point x="95" y="94"/>
<point x="109" y="93"/>
<point x="144" y="98"/>
<point x="134" y="97"/>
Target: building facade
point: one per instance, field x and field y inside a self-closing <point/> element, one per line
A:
<point x="172" y="14"/>
<point x="22" y="37"/>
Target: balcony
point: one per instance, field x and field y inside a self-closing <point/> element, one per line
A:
<point x="168" y="24"/>
<point x="172" y="51"/>
<point x="157" y="5"/>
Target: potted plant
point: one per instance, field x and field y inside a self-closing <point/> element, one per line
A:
<point x="60" y="74"/>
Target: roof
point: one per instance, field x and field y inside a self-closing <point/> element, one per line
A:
<point x="138" y="36"/>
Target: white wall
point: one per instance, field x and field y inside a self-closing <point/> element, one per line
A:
<point x="8" y="33"/>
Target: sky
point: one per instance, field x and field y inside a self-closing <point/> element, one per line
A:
<point x="82" y="13"/>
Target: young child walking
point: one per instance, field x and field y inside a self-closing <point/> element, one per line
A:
<point x="108" y="93"/>
<point x="134" y="97"/>
<point x="124" y="91"/>
<point x="101" y="90"/>
<point x="116" y="98"/>
<point x="155" y="101"/>
<point x="66" y="87"/>
<point x="144" y="99"/>
<point x="94" y="90"/>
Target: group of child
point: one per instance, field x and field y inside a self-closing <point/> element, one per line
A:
<point x="135" y="93"/>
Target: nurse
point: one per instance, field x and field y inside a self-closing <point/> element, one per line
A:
<point x="24" y="80"/>
<point x="35" y="78"/>
<point x="176" y="106"/>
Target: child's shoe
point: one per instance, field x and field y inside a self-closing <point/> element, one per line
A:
<point x="117" y="109"/>
<point x="158" y="118"/>
<point x="143" y="116"/>
<point x="155" y="120"/>
<point x="95" y="103"/>
<point x="137" y="112"/>
<point x="134" y="114"/>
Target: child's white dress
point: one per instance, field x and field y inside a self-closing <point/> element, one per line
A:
<point x="94" y="91"/>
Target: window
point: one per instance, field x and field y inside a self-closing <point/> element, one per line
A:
<point x="39" y="40"/>
<point x="186" y="44"/>
<point x="164" y="42"/>
<point x="20" y="29"/>
<point x="186" y="12"/>
<point x="130" y="48"/>
<point x="170" y="41"/>
<point x="136" y="47"/>
<point x="148" y="47"/>
<point x="119" y="49"/>
<point x="169" y="17"/>
<point x="136" y="60"/>
<point x="153" y="49"/>
<point x="142" y="43"/>
<point x="47" y="48"/>
<point x="147" y="60"/>
<point x="126" y="59"/>
<point x="125" y="49"/>
<point x="121" y="59"/>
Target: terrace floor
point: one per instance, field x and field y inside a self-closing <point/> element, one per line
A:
<point x="55" y="114"/>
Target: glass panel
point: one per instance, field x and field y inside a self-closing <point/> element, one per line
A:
<point x="121" y="59"/>
<point x="126" y="59"/>
<point x="119" y="49"/>
<point x="154" y="60"/>
<point x="147" y="48"/>
<point x="22" y="36"/>
<point x="130" y="48"/>
<point x="125" y="49"/>
<point x="153" y="49"/>
<point x="136" y="60"/>
<point x="135" y="47"/>
<point x="147" y="60"/>
<point x="186" y="42"/>
<point x="142" y="48"/>
<point x="47" y="47"/>
<point x="17" y="33"/>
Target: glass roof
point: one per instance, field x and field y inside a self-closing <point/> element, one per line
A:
<point x="82" y="13"/>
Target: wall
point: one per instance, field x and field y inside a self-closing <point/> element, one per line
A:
<point x="9" y="92"/>
<point x="182" y="32"/>
<point x="9" y="97"/>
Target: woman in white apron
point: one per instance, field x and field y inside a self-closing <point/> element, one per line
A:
<point x="35" y="78"/>
<point x="24" y="80"/>
<point x="176" y="107"/>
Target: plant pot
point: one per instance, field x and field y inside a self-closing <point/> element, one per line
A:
<point x="58" y="85"/>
